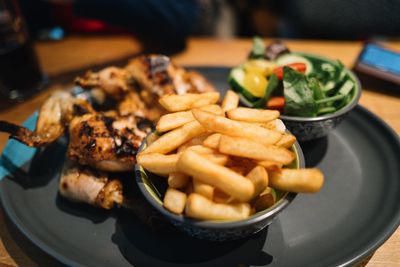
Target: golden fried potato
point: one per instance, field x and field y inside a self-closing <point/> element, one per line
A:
<point x="213" y="174"/>
<point x="173" y="139"/>
<point x="270" y="165"/>
<point x="203" y="189"/>
<point x="297" y="180"/>
<point x="286" y="141"/>
<point x="174" y="103"/>
<point x="231" y="101"/>
<point x="158" y="163"/>
<point x="246" y="148"/>
<point x="252" y="114"/>
<point x="175" y="200"/>
<point x="212" y="141"/>
<point x="178" y="180"/>
<point x="175" y="120"/>
<point x="230" y="127"/>
<point x="259" y="177"/>
<point x="200" y="207"/>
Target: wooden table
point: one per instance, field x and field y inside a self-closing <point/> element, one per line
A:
<point x="78" y="53"/>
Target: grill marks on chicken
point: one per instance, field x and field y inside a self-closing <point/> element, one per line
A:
<point x="101" y="143"/>
<point x="151" y="76"/>
<point x="156" y="75"/>
<point x="106" y="141"/>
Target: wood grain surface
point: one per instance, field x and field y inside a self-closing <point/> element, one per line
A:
<point x="61" y="60"/>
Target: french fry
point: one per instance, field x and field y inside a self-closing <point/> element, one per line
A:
<point x="276" y="125"/>
<point x="212" y="141"/>
<point x="178" y="180"/>
<point x="270" y="165"/>
<point x="297" y="180"/>
<point x="230" y="127"/>
<point x="213" y="174"/>
<point x="175" y="120"/>
<point x="203" y="189"/>
<point x="214" y="109"/>
<point x="269" y="125"/>
<point x="280" y="126"/>
<point x="199" y="207"/>
<point x="200" y="149"/>
<point x="197" y="140"/>
<point x="286" y="141"/>
<point x="231" y="101"/>
<point x="242" y="147"/>
<point x="173" y="139"/>
<point x="259" y="177"/>
<point x="174" y="103"/>
<point x="175" y="200"/>
<point x="158" y="163"/>
<point x="217" y="158"/>
<point x="223" y="166"/>
<point x="252" y="115"/>
<point x="208" y="153"/>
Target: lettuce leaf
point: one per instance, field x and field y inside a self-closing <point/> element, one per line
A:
<point x="299" y="97"/>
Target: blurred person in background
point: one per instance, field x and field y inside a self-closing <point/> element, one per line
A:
<point x="164" y="25"/>
<point x="159" y="24"/>
<point x="318" y="19"/>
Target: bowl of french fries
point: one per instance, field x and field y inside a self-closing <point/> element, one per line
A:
<point x="221" y="172"/>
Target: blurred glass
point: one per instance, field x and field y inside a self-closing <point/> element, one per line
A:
<point x="20" y="74"/>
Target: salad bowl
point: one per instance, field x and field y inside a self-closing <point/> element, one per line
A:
<point x="313" y="93"/>
<point x="309" y="128"/>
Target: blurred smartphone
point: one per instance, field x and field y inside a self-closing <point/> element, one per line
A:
<point x="379" y="62"/>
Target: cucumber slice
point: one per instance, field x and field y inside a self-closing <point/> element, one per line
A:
<point x="329" y="86"/>
<point x="236" y="78"/>
<point x="346" y="87"/>
<point x="326" y="110"/>
<point x="293" y="58"/>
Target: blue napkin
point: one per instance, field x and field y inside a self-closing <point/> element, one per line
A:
<point x="15" y="154"/>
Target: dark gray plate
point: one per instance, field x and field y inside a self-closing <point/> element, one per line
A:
<point x="356" y="211"/>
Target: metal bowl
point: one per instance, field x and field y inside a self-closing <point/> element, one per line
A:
<point x="153" y="188"/>
<point x="309" y="128"/>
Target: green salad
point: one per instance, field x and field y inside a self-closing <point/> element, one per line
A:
<point x="297" y="84"/>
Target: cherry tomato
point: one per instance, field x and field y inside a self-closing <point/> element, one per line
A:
<point x="300" y="67"/>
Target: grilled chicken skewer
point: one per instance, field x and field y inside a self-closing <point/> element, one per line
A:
<point x="82" y="184"/>
<point x="150" y="75"/>
<point x="107" y="141"/>
<point x="138" y="86"/>
<point x="54" y="115"/>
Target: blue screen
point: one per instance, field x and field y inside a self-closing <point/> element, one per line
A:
<point x="381" y="58"/>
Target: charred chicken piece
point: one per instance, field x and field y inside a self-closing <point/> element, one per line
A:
<point x="156" y="75"/>
<point x="107" y="142"/>
<point x="112" y="80"/>
<point x="151" y="76"/>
